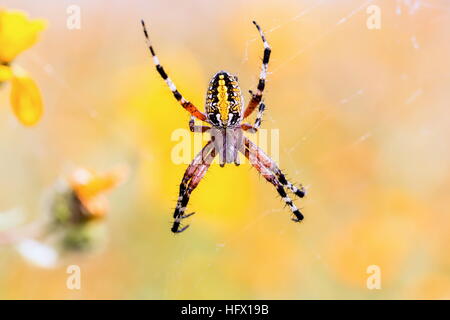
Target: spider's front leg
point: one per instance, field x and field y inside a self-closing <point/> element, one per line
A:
<point x="192" y="177"/>
<point x="257" y="96"/>
<point x="254" y="128"/>
<point x="195" y="128"/>
<point x="184" y="103"/>
<point x="271" y="177"/>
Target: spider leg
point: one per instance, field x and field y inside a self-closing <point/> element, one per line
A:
<point x="184" y="103"/>
<point x="257" y="97"/>
<point x="254" y="128"/>
<point x="272" y="166"/>
<point x="192" y="177"/>
<point x="195" y="128"/>
<point x="272" y="178"/>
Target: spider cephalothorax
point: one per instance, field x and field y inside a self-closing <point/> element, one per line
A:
<point x="224" y="112"/>
<point x="224" y="100"/>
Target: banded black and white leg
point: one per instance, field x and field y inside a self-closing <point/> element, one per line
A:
<point x="257" y="96"/>
<point x="184" y="103"/>
<point x="272" y="178"/>
<point x="273" y="167"/>
<point x="192" y="177"/>
<point x="254" y="128"/>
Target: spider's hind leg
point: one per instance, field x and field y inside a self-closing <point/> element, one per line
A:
<point x="192" y="177"/>
<point x="299" y="192"/>
<point x="272" y="178"/>
<point x="272" y="166"/>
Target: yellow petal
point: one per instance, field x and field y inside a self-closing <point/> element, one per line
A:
<point x="5" y="73"/>
<point x="26" y="99"/>
<point x="97" y="207"/>
<point x="88" y="184"/>
<point x="17" y="33"/>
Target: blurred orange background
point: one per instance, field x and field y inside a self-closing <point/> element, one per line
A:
<point x="364" y="125"/>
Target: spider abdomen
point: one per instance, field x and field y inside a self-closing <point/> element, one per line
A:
<point x="227" y="143"/>
<point x="224" y="100"/>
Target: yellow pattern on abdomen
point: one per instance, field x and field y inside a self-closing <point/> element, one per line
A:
<point x="223" y="103"/>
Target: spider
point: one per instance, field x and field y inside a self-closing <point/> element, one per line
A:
<point x="224" y="113"/>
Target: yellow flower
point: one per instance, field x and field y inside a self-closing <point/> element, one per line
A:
<point x="5" y="73"/>
<point x="18" y="33"/>
<point x="90" y="186"/>
<point x="25" y="99"/>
